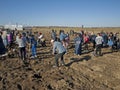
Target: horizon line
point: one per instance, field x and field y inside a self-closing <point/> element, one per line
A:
<point x="66" y="26"/>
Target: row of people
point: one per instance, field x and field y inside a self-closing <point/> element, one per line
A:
<point x="60" y="42"/>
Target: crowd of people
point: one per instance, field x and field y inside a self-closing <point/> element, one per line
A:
<point x="22" y="40"/>
<point x="99" y="41"/>
<point x="26" y="40"/>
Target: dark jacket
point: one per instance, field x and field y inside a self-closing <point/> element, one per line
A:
<point x="2" y="47"/>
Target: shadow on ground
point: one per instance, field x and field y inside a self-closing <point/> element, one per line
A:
<point x="73" y="60"/>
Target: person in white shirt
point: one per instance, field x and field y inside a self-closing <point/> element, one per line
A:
<point x="21" y="41"/>
<point x="40" y="36"/>
<point x="99" y="42"/>
<point x="41" y="40"/>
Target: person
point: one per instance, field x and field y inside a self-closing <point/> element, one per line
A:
<point x="71" y="32"/>
<point x="92" y="39"/>
<point x="78" y="44"/>
<point x="9" y="38"/>
<point x="98" y="41"/>
<point x="41" y="40"/>
<point x="33" y="44"/>
<point x="57" y="46"/>
<point x="105" y="38"/>
<point x="17" y="36"/>
<point x="2" y="46"/>
<point x="66" y="42"/>
<point x="85" y="42"/>
<point x="110" y="43"/>
<point x="40" y="36"/>
<point x="53" y="35"/>
<point x="62" y="35"/>
<point x="118" y="44"/>
<point x="21" y="41"/>
<point x="4" y="37"/>
<point x="64" y="38"/>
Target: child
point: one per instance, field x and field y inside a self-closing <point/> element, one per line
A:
<point x="33" y="44"/>
<point x="22" y="44"/>
<point x="98" y="41"/>
<point x="57" y="45"/>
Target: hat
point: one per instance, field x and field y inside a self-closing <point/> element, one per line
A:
<point x="52" y="41"/>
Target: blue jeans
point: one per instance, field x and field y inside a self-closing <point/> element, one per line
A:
<point x="33" y="48"/>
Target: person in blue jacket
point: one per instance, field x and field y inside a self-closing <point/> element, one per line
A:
<point x="110" y="43"/>
<point x="33" y="44"/>
<point x="62" y="35"/>
<point x="78" y="44"/>
<point x="57" y="46"/>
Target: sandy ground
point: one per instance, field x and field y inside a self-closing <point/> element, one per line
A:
<point x="84" y="72"/>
